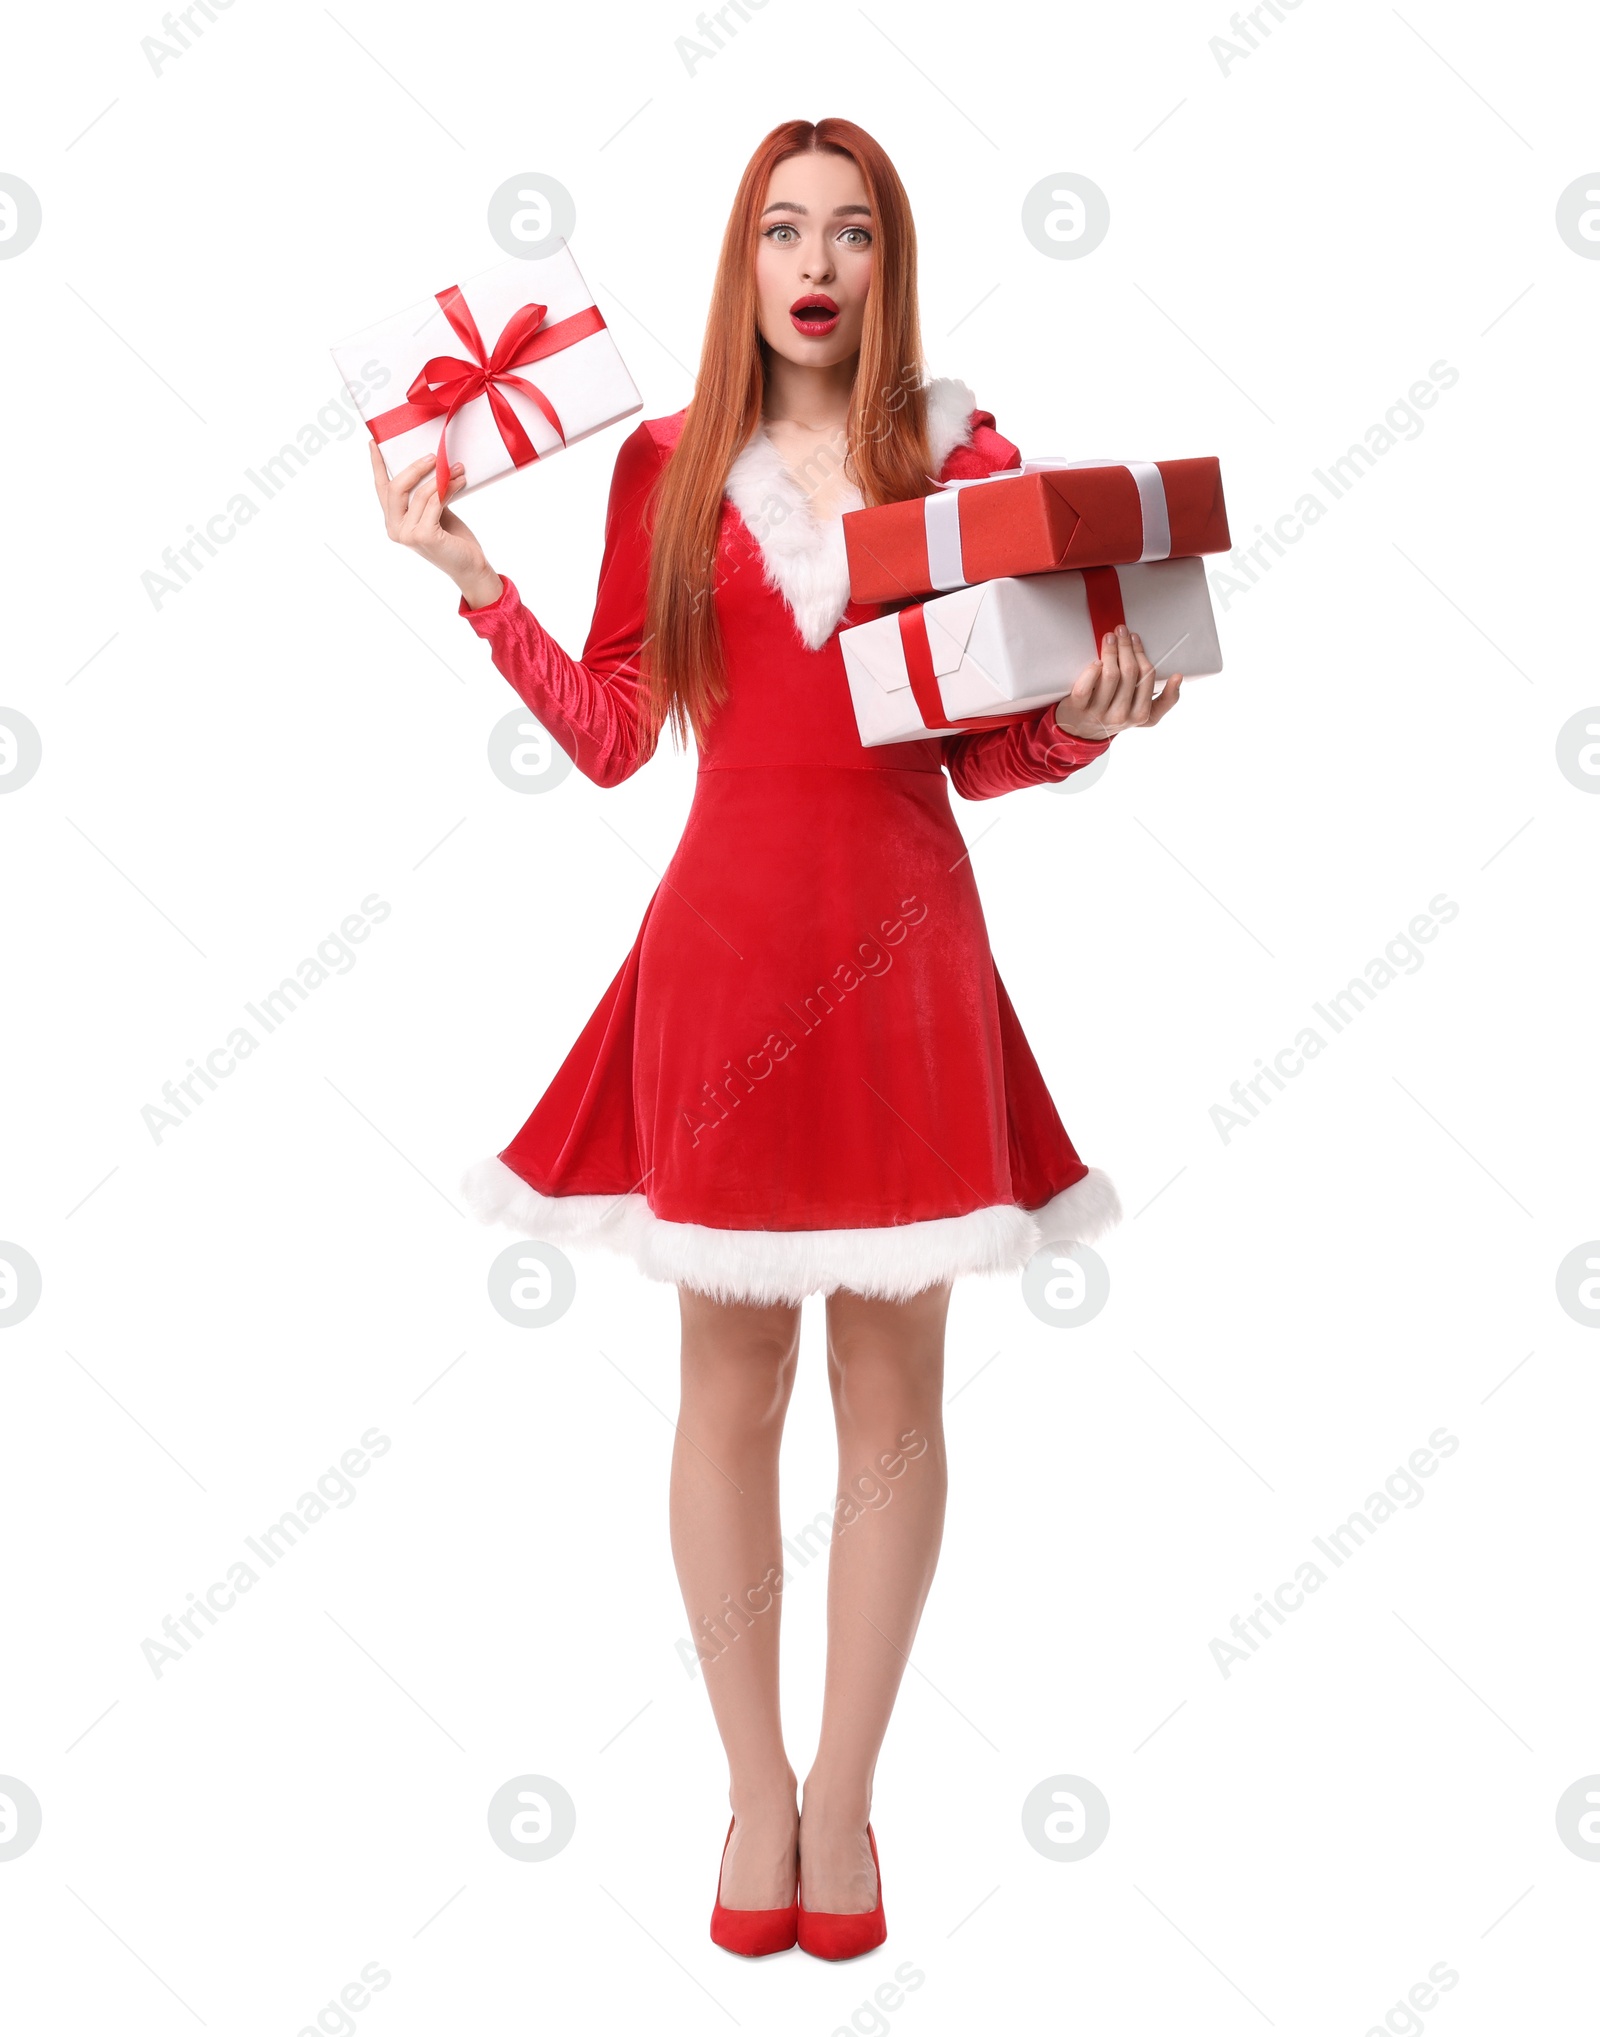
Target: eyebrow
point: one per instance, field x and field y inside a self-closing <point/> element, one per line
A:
<point x="839" y="211"/>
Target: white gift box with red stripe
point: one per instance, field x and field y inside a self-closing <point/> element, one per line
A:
<point x="494" y="373"/>
<point x="1000" y="651"/>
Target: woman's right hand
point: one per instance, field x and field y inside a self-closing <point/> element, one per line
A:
<point x="1117" y="691"/>
<point x="414" y="516"/>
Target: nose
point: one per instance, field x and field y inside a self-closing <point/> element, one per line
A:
<point x="816" y="265"/>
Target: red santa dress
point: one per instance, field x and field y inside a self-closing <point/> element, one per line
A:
<point x="807" y="1074"/>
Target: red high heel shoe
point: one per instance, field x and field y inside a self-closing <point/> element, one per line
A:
<point x="753" y="1933"/>
<point x="843" y="1934"/>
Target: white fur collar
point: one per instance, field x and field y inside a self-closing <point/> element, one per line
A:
<point x="804" y="555"/>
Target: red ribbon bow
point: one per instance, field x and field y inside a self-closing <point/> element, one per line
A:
<point x="446" y="383"/>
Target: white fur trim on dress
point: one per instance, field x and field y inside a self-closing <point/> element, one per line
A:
<point x="804" y="554"/>
<point x="891" y="1262"/>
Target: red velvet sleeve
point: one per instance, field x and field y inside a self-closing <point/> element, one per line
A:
<point x="1033" y="752"/>
<point x="593" y="706"/>
<point x="985" y="452"/>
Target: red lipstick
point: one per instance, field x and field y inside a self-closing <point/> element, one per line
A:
<point x="814" y="315"/>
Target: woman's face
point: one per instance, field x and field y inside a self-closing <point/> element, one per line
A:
<point x="814" y="259"/>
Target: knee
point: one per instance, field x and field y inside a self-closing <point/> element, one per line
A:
<point x="739" y="1363"/>
<point x="885" y="1384"/>
<point x="890" y="1340"/>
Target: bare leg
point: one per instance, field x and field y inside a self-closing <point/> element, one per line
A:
<point x="886" y="1371"/>
<point x="738" y="1372"/>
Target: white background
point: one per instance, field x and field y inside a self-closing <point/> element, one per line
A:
<point x="1293" y="1310"/>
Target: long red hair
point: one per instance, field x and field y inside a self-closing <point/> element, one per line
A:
<point x="886" y="430"/>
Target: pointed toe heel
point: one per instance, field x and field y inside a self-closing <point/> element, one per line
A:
<point x="844" y="1934"/>
<point x="752" y="1933"/>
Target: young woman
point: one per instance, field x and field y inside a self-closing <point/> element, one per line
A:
<point x="807" y="1075"/>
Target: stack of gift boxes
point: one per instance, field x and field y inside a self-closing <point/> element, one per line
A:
<point x="1003" y="589"/>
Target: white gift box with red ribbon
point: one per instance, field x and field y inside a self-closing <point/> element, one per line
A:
<point x="494" y="373"/>
<point x="997" y="652"/>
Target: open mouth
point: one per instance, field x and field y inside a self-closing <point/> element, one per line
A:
<point x="814" y="315"/>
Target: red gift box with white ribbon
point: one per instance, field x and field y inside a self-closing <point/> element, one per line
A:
<point x="1047" y="516"/>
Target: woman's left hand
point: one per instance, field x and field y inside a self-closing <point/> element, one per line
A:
<point x="1117" y="691"/>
